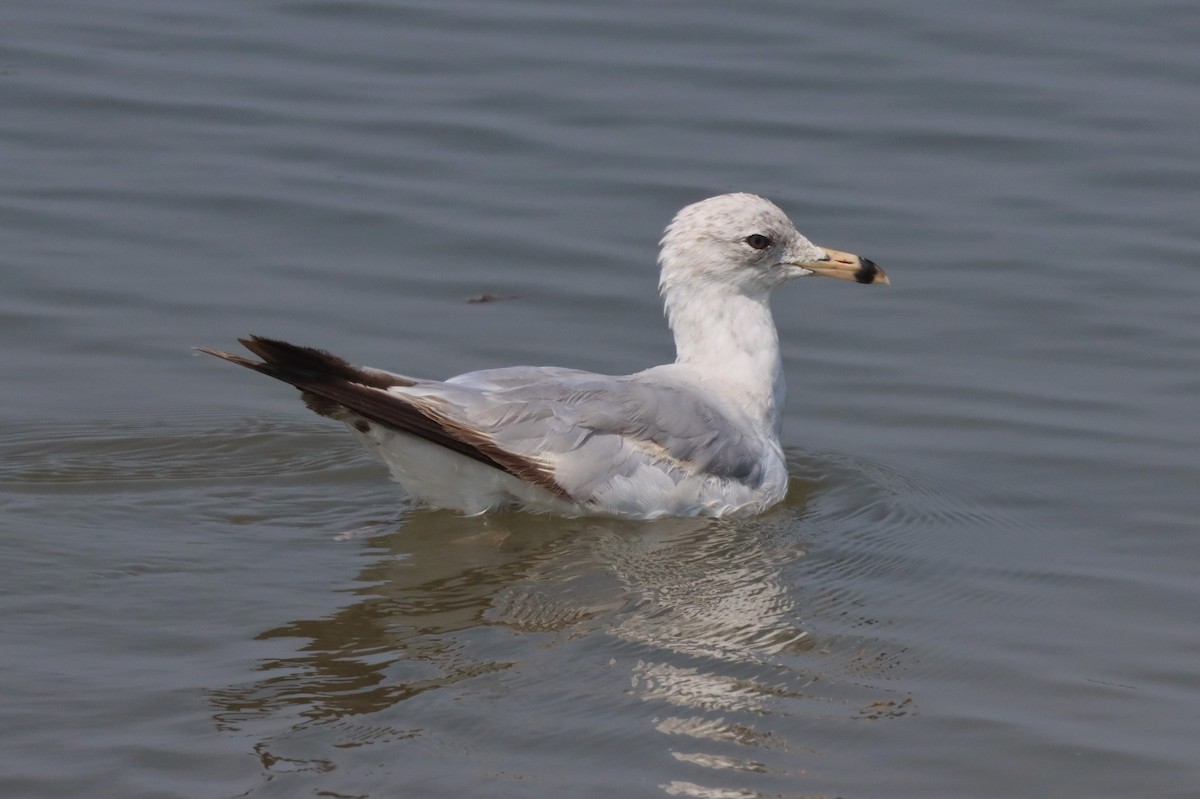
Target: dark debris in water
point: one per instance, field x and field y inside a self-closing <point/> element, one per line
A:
<point x="481" y="298"/>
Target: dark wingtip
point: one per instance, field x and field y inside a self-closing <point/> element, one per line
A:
<point x="228" y="356"/>
<point x="291" y="363"/>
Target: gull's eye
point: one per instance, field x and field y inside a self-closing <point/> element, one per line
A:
<point x="758" y="241"/>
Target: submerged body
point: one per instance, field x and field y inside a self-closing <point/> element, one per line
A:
<point x="696" y="437"/>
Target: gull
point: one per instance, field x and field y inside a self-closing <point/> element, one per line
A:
<point x="697" y="437"/>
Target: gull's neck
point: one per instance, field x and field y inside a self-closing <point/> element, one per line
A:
<point x="729" y="340"/>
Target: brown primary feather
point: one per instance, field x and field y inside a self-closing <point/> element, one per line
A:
<point x="329" y="383"/>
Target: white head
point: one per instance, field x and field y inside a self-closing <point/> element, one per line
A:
<point x="745" y="244"/>
<point x="720" y="258"/>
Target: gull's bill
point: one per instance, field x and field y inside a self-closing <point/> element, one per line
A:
<point x="847" y="266"/>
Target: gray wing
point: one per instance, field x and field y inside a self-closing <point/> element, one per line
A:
<point x="589" y="429"/>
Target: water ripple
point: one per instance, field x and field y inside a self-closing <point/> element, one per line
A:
<point x="64" y="457"/>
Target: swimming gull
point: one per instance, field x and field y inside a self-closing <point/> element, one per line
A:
<point x="698" y="437"/>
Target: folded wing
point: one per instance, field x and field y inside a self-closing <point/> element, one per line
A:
<point x="569" y="432"/>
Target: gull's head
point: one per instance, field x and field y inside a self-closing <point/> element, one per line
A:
<point x="746" y="244"/>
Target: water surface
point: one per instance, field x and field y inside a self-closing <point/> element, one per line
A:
<point x="983" y="582"/>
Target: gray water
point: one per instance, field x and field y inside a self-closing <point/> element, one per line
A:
<point x="983" y="582"/>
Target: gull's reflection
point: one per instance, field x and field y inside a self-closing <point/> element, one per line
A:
<point x="710" y="621"/>
<point x="711" y="589"/>
<point x="396" y="639"/>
